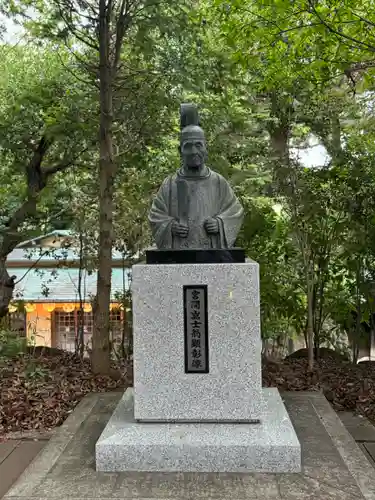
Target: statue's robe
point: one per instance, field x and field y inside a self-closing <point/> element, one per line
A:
<point x="192" y="200"/>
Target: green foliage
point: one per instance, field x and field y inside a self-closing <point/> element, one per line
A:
<point x="11" y="345"/>
<point x="35" y="372"/>
<point x="39" y="97"/>
<point x="270" y="79"/>
<point x="299" y="40"/>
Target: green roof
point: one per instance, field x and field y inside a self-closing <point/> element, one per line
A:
<point x="42" y="255"/>
<point x="54" y="285"/>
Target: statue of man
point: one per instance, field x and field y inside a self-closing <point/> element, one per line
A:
<point x="195" y="207"/>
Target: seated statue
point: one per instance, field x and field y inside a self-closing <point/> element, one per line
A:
<point x="195" y="207"/>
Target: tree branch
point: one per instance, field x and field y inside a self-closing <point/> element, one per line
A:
<point x="58" y="167"/>
<point x="75" y="74"/>
<point x="363" y="19"/>
<point x="309" y="25"/>
<point x="35" y="181"/>
<point x="73" y="30"/>
<point x="122" y="24"/>
<point x="359" y="43"/>
<point x="34" y="264"/>
<point x="37" y="178"/>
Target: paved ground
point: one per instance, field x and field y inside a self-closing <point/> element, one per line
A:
<point x="15" y="456"/>
<point x="362" y="431"/>
<point x="333" y="465"/>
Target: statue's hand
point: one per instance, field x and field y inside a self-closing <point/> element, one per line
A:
<point x="211" y="225"/>
<point x="179" y="229"/>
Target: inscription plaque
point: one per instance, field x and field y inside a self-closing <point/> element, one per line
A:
<point x="196" y="329"/>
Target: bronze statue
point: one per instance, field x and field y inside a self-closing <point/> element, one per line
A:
<point x="195" y="207"/>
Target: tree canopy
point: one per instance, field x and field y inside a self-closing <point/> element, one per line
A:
<point x="273" y="81"/>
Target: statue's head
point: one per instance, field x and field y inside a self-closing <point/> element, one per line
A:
<point x="193" y="148"/>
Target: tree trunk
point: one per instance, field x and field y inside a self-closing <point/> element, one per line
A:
<point x="357" y="336"/>
<point x="80" y="338"/>
<point x="319" y="301"/>
<point x="310" y="325"/>
<point x="6" y="288"/>
<point x="36" y="177"/>
<point x="107" y="171"/>
<point x="355" y="350"/>
<point x="124" y="333"/>
<point x="372" y="331"/>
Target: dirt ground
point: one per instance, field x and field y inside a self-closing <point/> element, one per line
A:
<point x="37" y="393"/>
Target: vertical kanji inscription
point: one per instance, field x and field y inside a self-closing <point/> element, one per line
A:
<point x="196" y="329"/>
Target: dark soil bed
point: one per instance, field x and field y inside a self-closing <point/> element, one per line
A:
<point x="38" y="392"/>
<point x="346" y="386"/>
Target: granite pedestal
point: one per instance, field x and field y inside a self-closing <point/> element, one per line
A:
<point x="190" y="416"/>
<point x="231" y="390"/>
<point x="269" y="446"/>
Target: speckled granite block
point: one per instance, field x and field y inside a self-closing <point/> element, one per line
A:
<point x="231" y="391"/>
<point x="270" y="446"/>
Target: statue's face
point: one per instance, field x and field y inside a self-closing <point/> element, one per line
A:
<point x="194" y="152"/>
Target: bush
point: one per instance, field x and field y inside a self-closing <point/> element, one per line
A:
<point x="11" y="344"/>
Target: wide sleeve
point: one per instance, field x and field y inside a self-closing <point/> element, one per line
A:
<point x="159" y="218"/>
<point x="230" y="215"/>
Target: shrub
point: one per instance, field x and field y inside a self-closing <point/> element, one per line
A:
<point x="11" y="344"/>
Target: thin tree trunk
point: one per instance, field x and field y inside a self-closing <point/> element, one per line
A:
<point x="355" y="351"/>
<point x="80" y="343"/>
<point x="310" y="321"/>
<point x="107" y="171"/>
<point x="6" y="288"/>
<point x="124" y="328"/>
<point x="357" y="335"/>
<point x="310" y="334"/>
<point x="372" y="330"/>
<point x="129" y="322"/>
<point x="322" y="278"/>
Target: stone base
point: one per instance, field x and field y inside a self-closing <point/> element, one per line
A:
<point x="270" y="446"/>
<point x="164" y="390"/>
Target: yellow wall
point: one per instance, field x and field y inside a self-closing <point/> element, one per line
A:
<point x="38" y="326"/>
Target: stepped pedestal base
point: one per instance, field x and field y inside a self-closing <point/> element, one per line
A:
<point x="268" y="446"/>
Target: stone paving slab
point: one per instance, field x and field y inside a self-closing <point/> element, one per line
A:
<point x="6" y="449"/>
<point x="333" y="465"/>
<point x="30" y="435"/>
<point x="359" y="427"/>
<point x="20" y="456"/>
<point x="370" y="449"/>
